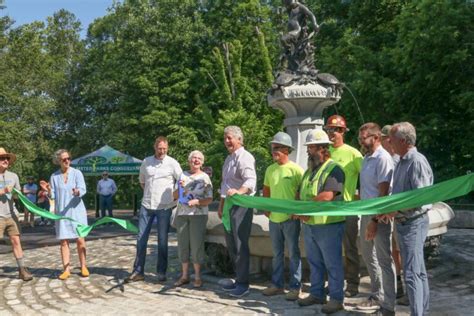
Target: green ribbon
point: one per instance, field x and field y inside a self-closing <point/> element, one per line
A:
<point x="406" y="200"/>
<point x="82" y="230"/>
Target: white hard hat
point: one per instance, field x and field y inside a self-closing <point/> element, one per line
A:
<point x="282" y="138"/>
<point x="317" y="137"/>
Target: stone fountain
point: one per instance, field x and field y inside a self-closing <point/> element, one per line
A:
<point x="301" y="92"/>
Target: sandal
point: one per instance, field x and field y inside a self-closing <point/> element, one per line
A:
<point x="197" y="283"/>
<point x="181" y="282"/>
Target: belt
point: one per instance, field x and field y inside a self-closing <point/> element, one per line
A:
<point x="406" y="220"/>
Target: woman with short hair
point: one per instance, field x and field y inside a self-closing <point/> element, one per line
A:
<point x="195" y="194"/>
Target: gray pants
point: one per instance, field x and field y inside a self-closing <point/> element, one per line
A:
<point x="377" y="255"/>
<point x="191" y="232"/>
<point x="351" y="262"/>
<point x="238" y="242"/>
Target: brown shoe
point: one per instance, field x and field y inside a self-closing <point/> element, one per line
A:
<point x="293" y="295"/>
<point x="310" y="300"/>
<point x="181" y="282"/>
<point x="332" y="307"/>
<point x="134" y="277"/>
<point x="24" y="274"/>
<point x="270" y="291"/>
<point x="197" y="283"/>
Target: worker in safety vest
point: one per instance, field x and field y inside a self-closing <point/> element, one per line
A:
<point x="323" y="181"/>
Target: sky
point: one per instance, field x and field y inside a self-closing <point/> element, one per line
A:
<point x="26" y="11"/>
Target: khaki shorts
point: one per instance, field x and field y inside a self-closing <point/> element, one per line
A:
<point x="10" y="225"/>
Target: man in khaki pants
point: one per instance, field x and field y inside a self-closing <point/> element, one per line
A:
<point x="8" y="213"/>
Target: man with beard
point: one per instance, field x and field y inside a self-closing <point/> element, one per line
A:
<point x="282" y="181"/>
<point x="323" y="181"/>
<point x="375" y="239"/>
<point x="350" y="159"/>
<point x="8" y="213"/>
<point x="158" y="176"/>
<point x="238" y="177"/>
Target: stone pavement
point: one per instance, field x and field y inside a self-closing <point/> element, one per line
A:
<point x="110" y="260"/>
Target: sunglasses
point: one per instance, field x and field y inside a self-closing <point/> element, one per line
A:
<point x="334" y="129"/>
<point x="66" y="159"/>
<point x="364" y="138"/>
<point x="5" y="158"/>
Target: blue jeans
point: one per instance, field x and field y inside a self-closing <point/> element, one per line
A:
<point x="323" y="246"/>
<point x="145" y="221"/>
<point x="411" y="238"/>
<point x="289" y="232"/>
<point x="105" y="202"/>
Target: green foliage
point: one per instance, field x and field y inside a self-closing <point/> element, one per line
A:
<point x="186" y="69"/>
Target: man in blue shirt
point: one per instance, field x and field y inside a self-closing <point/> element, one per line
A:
<point x="30" y="189"/>
<point x="106" y="189"/>
<point x="412" y="172"/>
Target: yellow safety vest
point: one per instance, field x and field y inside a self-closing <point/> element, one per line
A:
<point x="310" y="187"/>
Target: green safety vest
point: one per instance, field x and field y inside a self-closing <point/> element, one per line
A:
<point x="312" y="185"/>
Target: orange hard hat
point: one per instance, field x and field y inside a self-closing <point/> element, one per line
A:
<point x="336" y="121"/>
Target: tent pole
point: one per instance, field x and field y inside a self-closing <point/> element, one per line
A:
<point x="134" y="201"/>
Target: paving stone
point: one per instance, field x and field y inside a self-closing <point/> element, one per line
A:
<point x="452" y="283"/>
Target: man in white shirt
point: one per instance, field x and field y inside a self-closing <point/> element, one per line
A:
<point x="238" y="177"/>
<point x="376" y="236"/>
<point x="106" y="188"/>
<point x="158" y="176"/>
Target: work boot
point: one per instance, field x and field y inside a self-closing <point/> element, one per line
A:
<point x="310" y="300"/>
<point x="351" y="290"/>
<point x="134" y="277"/>
<point x="332" y="307"/>
<point x="271" y="291"/>
<point x="24" y="274"/>
<point x="293" y="295"/>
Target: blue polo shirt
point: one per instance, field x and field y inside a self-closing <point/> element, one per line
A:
<point x="412" y="172"/>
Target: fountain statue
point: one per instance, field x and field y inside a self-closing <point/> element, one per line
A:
<point x="299" y="90"/>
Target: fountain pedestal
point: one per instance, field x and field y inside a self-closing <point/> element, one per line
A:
<point x="303" y="106"/>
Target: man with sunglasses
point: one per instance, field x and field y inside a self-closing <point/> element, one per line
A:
<point x="375" y="242"/>
<point x="8" y="212"/>
<point x="282" y="180"/>
<point x="350" y="159"/>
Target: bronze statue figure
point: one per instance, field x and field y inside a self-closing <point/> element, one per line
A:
<point x="298" y="50"/>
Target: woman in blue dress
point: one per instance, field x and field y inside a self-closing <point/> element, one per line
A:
<point x="66" y="187"/>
